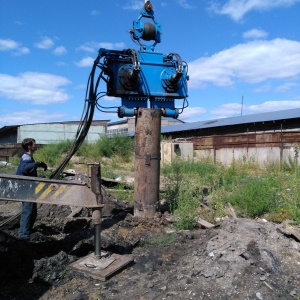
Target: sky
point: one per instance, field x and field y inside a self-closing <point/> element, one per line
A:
<point x="243" y="56"/>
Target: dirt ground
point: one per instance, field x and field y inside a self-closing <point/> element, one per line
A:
<point x="239" y="259"/>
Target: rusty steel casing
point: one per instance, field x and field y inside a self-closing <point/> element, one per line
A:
<point x="147" y="162"/>
<point x="96" y="182"/>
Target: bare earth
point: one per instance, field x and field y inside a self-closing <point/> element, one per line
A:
<point x="240" y="259"/>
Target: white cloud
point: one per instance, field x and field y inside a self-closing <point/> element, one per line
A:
<point x="60" y="50"/>
<point x="236" y="109"/>
<point x="110" y="98"/>
<point x="85" y="62"/>
<point x="19" y="23"/>
<point x="133" y="5"/>
<point x="227" y="110"/>
<point x="94" y="46"/>
<point x="34" y="88"/>
<point x="95" y="12"/>
<point x="286" y="86"/>
<point x="110" y="116"/>
<point x="263" y="88"/>
<point x="255" y="34"/>
<point x="87" y="47"/>
<point x="184" y="4"/>
<point x="61" y="64"/>
<point x="137" y="5"/>
<point x="22" y="51"/>
<point x="32" y="116"/>
<point x="119" y="45"/>
<point x="44" y="43"/>
<point x="192" y="114"/>
<point x="6" y="45"/>
<point x="272" y="106"/>
<point x="253" y="62"/>
<point x="236" y="9"/>
<point x="13" y="46"/>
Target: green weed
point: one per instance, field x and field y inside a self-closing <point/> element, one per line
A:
<point x="118" y="145"/>
<point x="254" y="196"/>
<point x="273" y="192"/>
<point x="164" y="240"/>
<point x="120" y="192"/>
<point x="53" y="154"/>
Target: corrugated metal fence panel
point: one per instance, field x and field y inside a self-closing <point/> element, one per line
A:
<point x="264" y="139"/>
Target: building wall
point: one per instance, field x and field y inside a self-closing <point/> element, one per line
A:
<point x="117" y="129"/>
<point x="128" y="125"/>
<point x="9" y="150"/>
<point x="9" y="136"/>
<point x="262" y="156"/>
<point x="56" y="132"/>
<point x="262" y="148"/>
<point x="170" y="150"/>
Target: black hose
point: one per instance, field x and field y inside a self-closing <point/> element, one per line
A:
<point x="85" y="123"/>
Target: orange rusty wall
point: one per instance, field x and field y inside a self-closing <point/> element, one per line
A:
<point x="247" y="140"/>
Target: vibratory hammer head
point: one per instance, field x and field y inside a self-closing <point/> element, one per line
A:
<point x="148" y="6"/>
<point x="146" y="31"/>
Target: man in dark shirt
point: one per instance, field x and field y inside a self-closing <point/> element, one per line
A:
<point x="28" y="167"/>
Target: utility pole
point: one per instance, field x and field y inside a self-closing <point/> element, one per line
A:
<point x="242" y="105"/>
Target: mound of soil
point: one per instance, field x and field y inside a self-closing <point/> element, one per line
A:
<point x="240" y="259"/>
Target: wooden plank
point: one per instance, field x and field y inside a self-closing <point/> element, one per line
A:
<point x="294" y="232"/>
<point x="205" y="224"/>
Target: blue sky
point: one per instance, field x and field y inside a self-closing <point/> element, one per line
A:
<point x="245" y="51"/>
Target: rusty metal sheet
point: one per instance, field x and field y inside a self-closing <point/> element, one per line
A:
<point x="40" y="190"/>
<point x="103" y="268"/>
<point x="247" y="140"/>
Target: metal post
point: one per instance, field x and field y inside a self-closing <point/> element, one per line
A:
<point x="96" y="217"/>
<point x="147" y="162"/>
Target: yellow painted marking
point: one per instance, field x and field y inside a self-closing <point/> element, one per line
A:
<point x="38" y="188"/>
<point x="70" y="191"/>
<point x="45" y="193"/>
<point x="58" y="192"/>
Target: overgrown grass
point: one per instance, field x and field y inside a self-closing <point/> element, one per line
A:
<point x="272" y="192"/>
<point x="163" y="240"/>
<point x="253" y="196"/>
<point x="121" y="192"/>
<point x="52" y="154"/>
<point x="251" y="190"/>
<point x="119" y="147"/>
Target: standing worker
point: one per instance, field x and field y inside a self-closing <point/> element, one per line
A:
<point x="28" y="167"/>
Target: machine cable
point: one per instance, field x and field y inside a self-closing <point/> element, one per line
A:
<point x="85" y="122"/>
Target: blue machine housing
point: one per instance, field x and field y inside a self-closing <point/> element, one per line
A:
<point x="148" y="82"/>
<point x="145" y="78"/>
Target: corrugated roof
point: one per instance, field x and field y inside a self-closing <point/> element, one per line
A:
<point x="94" y="122"/>
<point x="247" y="119"/>
<point x="123" y="121"/>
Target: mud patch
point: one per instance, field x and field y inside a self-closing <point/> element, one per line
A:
<point x="241" y="259"/>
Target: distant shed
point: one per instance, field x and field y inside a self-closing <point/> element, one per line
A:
<point x="44" y="133"/>
<point x="263" y="138"/>
<point x="49" y="133"/>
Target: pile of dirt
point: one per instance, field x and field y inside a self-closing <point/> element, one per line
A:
<point x="240" y="259"/>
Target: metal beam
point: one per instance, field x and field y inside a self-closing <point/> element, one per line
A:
<point x="40" y="190"/>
